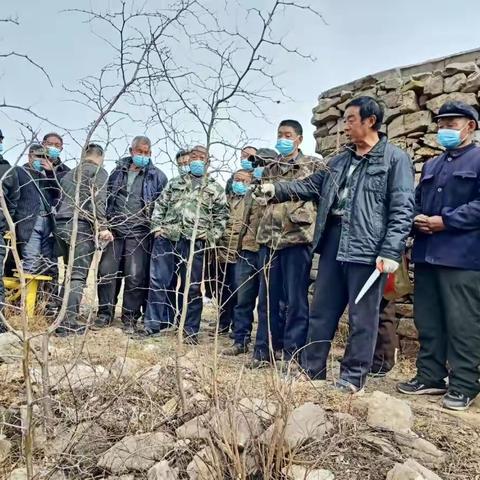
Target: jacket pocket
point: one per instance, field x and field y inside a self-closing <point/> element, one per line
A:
<point x="375" y="178"/>
<point x="462" y="188"/>
<point x="302" y="215"/>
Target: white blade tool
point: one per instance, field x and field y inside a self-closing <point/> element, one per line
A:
<point x="371" y="280"/>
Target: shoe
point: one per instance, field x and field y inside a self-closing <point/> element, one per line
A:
<point x="102" y="321"/>
<point x="379" y="371"/>
<point x="221" y="333"/>
<point x="256" y="364"/>
<point x="70" y="328"/>
<point x="235" y="349"/>
<point x="231" y="336"/>
<point x="457" y="401"/>
<point x="191" y="340"/>
<point x="343" y="386"/>
<point x="148" y="332"/>
<point x="414" y="387"/>
<point x="3" y="327"/>
<point x="278" y="354"/>
<point x="128" y="329"/>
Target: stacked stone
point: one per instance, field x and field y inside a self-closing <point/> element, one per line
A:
<point x="410" y="97"/>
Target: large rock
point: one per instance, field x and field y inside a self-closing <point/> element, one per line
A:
<point x="433" y="86"/>
<point x="10" y="348"/>
<point x="18" y="474"/>
<point x="389" y="413"/>
<point x="236" y="428"/>
<point x="195" y="429"/>
<point x="297" y="472"/>
<point x="125" y="367"/>
<point x="455" y="83"/>
<point x="460" y="67"/>
<point x="413" y="122"/>
<point x="411" y="470"/>
<point x="86" y="440"/>
<point x="473" y="83"/>
<point x="76" y="377"/>
<point x="420" y="449"/>
<point x="205" y="465"/>
<point x="162" y="471"/>
<point x="5" y="448"/>
<point x="304" y="424"/>
<point x="392" y="82"/>
<point x="136" y="452"/>
<point x="434" y="104"/>
<point x="324" y="117"/>
<point x="325" y="104"/>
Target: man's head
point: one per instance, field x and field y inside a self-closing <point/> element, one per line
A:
<point x="182" y="158"/>
<point x="141" y="151"/>
<point x="289" y="138"/>
<point x="457" y="123"/>
<point x="246" y="158"/>
<point x="247" y="151"/>
<point x="94" y="153"/>
<point x="198" y="160"/>
<point x="53" y="142"/>
<point x="241" y="180"/>
<point x="363" y="116"/>
<point x="38" y="158"/>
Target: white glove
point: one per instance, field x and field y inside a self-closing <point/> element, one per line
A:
<point x="263" y="193"/>
<point x="385" y="265"/>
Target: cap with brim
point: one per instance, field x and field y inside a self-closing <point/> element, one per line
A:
<point x="265" y="154"/>
<point x="457" y="109"/>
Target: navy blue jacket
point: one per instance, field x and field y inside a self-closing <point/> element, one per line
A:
<point x="450" y="187"/>
<point x="153" y="184"/>
<point x="379" y="211"/>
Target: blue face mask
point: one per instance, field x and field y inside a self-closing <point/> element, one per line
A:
<point x="1" y="148"/>
<point x="37" y="165"/>
<point x="239" y="188"/>
<point x="197" y="168"/>
<point x="53" y="152"/>
<point x="449" y="138"/>
<point x="285" y="146"/>
<point x="258" y="172"/>
<point x="246" y="164"/>
<point x="183" y="169"/>
<point x="140" y="161"/>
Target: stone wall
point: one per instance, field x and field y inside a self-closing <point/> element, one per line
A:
<point x="411" y="96"/>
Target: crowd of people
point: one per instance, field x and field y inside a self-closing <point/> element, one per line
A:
<point x="249" y="246"/>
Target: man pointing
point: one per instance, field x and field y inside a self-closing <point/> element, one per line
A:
<point x="365" y="201"/>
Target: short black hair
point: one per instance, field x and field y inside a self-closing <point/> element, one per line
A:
<point x="95" y="149"/>
<point x="53" y="134"/>
<point x="368" y="107"/>
<point x="297" y="126"/>
<point x="181" y="153"/>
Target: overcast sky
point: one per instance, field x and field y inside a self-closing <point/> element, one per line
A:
<point x="360" y="37"/>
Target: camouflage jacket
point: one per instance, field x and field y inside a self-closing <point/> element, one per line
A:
<point x="229" y="244"/>
<point x="251" y="218"/>
<point x="291" y="223"/>
<point x="176" y="209"/>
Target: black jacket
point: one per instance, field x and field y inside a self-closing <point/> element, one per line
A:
<point x="30" y="200"/>
<point x="450" y="187"/>
<point x="379" y="208"/>
<point x="10" y="192"/>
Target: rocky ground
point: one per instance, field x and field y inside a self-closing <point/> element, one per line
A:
<point x="118" y="414"/>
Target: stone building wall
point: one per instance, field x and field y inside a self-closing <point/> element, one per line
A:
<point x="410" y="96"/>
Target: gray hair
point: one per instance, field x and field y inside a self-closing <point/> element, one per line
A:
<point x="141" y="139"/>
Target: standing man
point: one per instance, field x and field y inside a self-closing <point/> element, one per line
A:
<point x="285" y="234"/>
<point x="447" y="264"/>
<point x="133" y="188"/>
<point x="53" y="144"/>
<point x="11" y="194"/>
<point x="91" y="179"/>
<point x="192" y="212"/>
<point x="34" y="215"/>
<point x="365" y="210"/>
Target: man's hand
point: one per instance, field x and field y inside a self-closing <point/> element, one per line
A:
<point x="105" y="236"/>
<point x="421" y="224"/>
<point x="262" y="194"/>
<point x="46" y="164"/>
<point x="435" y="224"/>
<point x="385" y="265"/>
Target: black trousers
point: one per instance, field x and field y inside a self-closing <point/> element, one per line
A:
<point x="336" y="286"/>
<point x="125" y="258"/>
<point x="387" y="339"/>
<point x="283" y="281"/>
<point x="83" y="255"/>
<point x="170" y="259"/>
<point x="447" y="316"/>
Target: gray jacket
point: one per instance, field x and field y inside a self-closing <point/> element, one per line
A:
<point x="379" y="208"/>
<point x="93" y="194"/>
